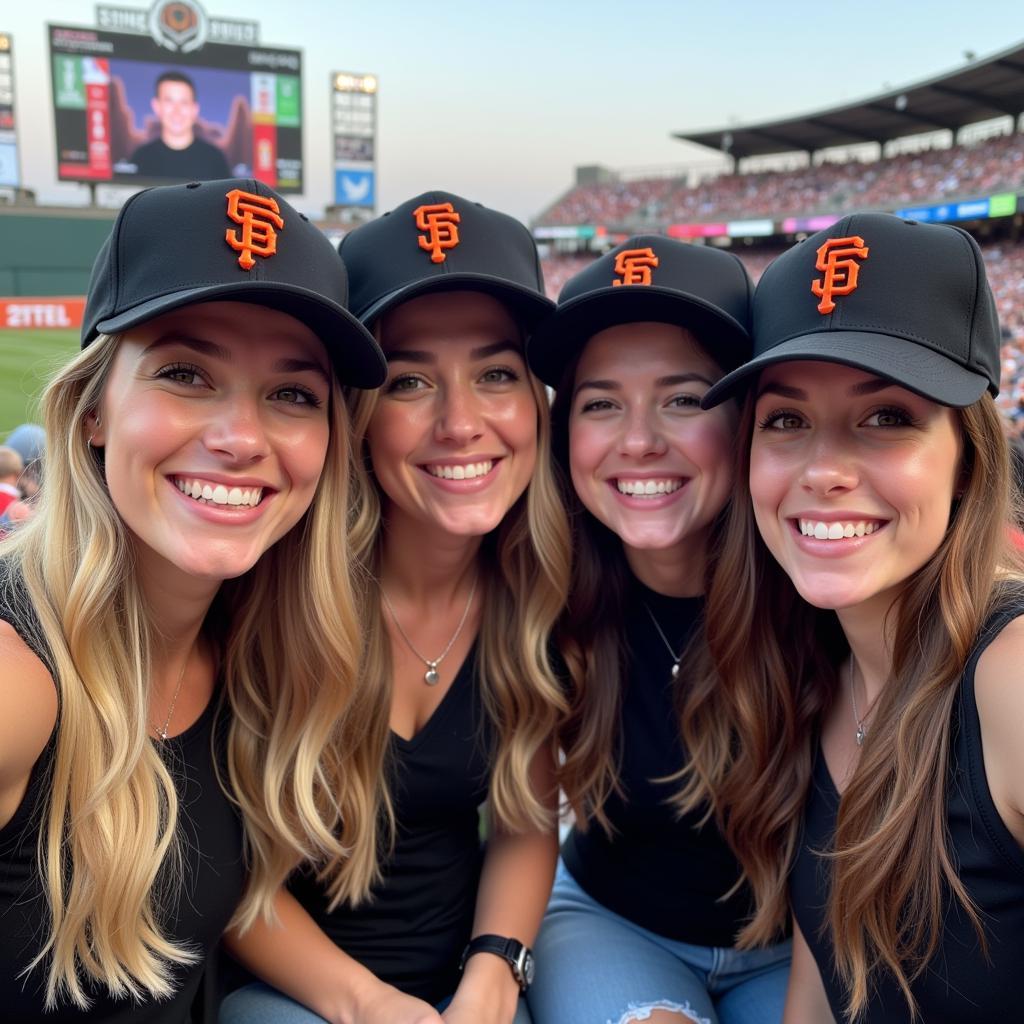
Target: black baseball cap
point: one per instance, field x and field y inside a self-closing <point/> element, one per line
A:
<point x="650" y="277"/>
<point x="237" y="240"/>
<point x="907" y="301"/>
<point x="441" y="242"/>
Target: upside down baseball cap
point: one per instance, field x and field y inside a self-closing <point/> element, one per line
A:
<point x="907" y="301"/>
<point x="234" y="239"/>
<point x="650" y="278"/>
<point x="439" y="241"/>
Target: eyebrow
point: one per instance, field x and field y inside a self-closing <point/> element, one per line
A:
<point x="867" y="387"/>
<point x="674" y="380"/>
<point x="412" y="355"/>
<point x="211" y="348"/>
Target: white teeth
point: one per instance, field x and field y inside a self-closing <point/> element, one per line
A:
<point x="218" y="494"/>
<point x="645" y="488"/>
<point x="469" y="471"/>
<point x="836" y="531"/>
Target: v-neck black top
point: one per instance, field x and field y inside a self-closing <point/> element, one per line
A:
<point x="959" y="984"/>
<point x="664" y="872"/>
<point x="412" y="930"/>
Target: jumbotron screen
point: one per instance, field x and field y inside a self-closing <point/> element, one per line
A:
<point x="128" y="111"/>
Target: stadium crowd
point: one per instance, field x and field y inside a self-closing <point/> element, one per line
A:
<point x="959" y="172"/>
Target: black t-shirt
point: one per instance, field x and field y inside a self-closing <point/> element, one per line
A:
<point x="212" y="874"/>
<point x="199" y="161"/>
<point x="412" y="930"/>
<point x="665" y="873"/>
<point x="959" y="985"/>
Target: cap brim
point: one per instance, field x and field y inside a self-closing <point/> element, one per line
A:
<point x="561" y="337"/>
<point x="354" y="352"/>
<point x="912" y="366"/>
<point x="530" y="307"/>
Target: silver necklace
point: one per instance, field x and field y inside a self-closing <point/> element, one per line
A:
<point x="862" y="729"/>
<point x="431" y="677"/>
<point x="676" y="658"/>
<point x="162" y="733"/>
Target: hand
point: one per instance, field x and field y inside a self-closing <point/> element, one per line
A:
<point x="384" y="1004"/>
<point x="487" y="993"/>
<point x="469" y="1010"/>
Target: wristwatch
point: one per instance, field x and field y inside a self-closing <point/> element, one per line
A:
<point x="512" y="951"/>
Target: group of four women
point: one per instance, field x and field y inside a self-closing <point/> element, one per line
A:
<point x="317" y="572"/>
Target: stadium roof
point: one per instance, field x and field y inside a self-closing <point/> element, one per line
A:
<point x="979" y="91"/>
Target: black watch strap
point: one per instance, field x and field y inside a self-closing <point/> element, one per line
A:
<point x="512" y="951"/>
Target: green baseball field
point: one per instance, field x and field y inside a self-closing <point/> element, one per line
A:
<point x="27" y="360"/>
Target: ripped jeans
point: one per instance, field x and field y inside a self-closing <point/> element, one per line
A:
<point x="596" y="967"/>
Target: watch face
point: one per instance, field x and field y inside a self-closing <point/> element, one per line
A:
<point x="528" y="967"/>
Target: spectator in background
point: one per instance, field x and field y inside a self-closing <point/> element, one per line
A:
<point x="28" y="441"/>
<point x="178" y="152"/>
<point x="10" y="470"/>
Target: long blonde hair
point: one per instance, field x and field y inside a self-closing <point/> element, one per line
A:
<point x="524" y="572"/>
<point x="108" y="855"/>
<point x="778" y="659"/>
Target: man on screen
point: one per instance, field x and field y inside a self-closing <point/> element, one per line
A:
<point x="178" y="153"/>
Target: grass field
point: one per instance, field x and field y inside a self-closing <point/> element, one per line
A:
<point x="27" y="359"/>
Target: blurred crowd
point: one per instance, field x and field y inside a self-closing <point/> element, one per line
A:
<point x="1005" y="266"/>
<point x="995" y="165"/>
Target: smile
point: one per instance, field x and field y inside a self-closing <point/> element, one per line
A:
<point x="838" y="531"/>
<point x="207" y="492"/>
<point x="463" y="471"/>
<point x="649" y="488"/>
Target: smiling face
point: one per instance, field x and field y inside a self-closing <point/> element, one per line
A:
<point x="214" y="429"/>
<point x="852" y="480"/>
<point x="177" y="111"/>
<point x="645" y="459"/>
<point x="453" y="437"/>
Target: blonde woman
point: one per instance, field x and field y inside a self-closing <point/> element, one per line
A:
<point x="465" y="549"/>
<point x="183" y="554"/>
<point x="873" y="660"/>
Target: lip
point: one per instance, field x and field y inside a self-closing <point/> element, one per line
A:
<point x="834" y="548"/>
<point x="648" y="503"/>
<point x="220" y="478"/>
<point x="471" y="486"/>
<point x="233" y="515"/>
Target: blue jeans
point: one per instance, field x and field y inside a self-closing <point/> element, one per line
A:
<point x="596" y="967"/>
<point x="261" y="1004"/>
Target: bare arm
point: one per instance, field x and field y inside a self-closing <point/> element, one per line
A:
<point x="806" y="1002"/>
<point x="28" y="711"/>
<point x="511" y="900"/>
<point x="296" y="957"/>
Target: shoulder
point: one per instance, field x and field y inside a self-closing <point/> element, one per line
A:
<point x="28" y="712"/>
<point x="999" y="692"/>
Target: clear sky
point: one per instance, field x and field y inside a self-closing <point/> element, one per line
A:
<point x="499" y="101"/>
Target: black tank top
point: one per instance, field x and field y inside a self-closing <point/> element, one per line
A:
<point x="412" y="930"/>
<point x="666" y="873"/>
<point x="210" y="839"/>
<point x="959" y="985"/>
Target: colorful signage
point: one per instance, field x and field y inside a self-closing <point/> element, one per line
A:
<point x="354" y="139"/>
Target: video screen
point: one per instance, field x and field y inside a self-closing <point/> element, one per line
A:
<point x="127" y="111"/>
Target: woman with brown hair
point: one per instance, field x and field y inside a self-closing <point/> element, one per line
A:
<point x="463" y="545"/>
<point x="870" y="638"/>
<point x="648" y="899"/>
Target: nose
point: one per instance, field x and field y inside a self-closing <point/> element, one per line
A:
<point x="640" y="435"/>
<point x="459" y="416"/>
<point x="829" y="469"/>
<point x="236" y="431"/>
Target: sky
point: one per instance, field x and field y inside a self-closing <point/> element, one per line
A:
<point x="500" y="101"/>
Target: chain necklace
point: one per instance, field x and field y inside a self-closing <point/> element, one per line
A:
<point x="862" y="729"/>
<point x="431" y="677"/>
<point x="676" y="658"/>
<point x="162" y="733"/>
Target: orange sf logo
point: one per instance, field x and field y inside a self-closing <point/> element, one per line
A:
<point x="837" y="260"/>
<point x="439" y="220"/>
<point x="634" y="266"/>
<point x="258" y="216"/>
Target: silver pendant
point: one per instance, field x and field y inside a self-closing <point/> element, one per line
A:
<point x="675" y="670"/>
<point x="430" y="677"/>
<point x="861" y="733"/>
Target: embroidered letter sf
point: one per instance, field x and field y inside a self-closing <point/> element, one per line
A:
<point x="837" y="260"/>
<point x="439" y="220"/>
<point x="634" y="266"/>
<point x="258" y="216"/>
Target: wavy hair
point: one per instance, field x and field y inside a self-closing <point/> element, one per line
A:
<point x="891" y="866"/>
<point x="524" y="572"/>
<point x="108" y="854"/>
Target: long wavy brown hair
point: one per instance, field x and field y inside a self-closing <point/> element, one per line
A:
<point x="892" y="870"/>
